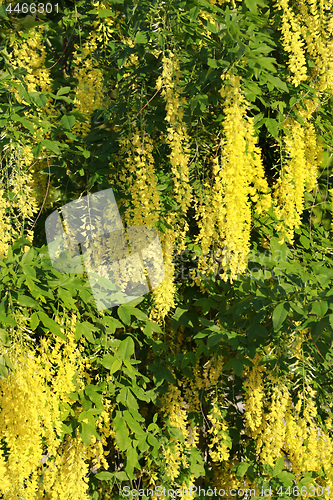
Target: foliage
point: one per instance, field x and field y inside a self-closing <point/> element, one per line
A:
<point x="211" y="123"/>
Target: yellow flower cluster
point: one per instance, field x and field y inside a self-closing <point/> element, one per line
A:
<point x="282" y="429"/>
<point x="177" y="136"/>
<point x="141" y="181"/>
<point x="292" y="43"/>
<point x="309" y="448"/>
<point x="16" y="215"/>
<point x="298" y="174"/>
<point x="41" y="184"/>
<point x="307" y="34"/>
<point x="5" y="224"/>
<point x="139" y="172"/>
<point x="272" y="438"/>
<point x="106" y="430"/>
<point x="88" y="93"/>
<point x="224" y="477"/>
<point x="164" y="294"/>
<point x="220" y="443"/>
<point x="236" y="182"/>
<point x="317" y="30"/>
<point x="254" y="396"/>
<point x="31" y="55"/>
<point x="104" y="30"/>
<point x="176" y="412"/>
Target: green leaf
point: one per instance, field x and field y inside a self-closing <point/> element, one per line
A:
<point x="212" y="62"/>
<point x="124" y="315"/>
<point x="34" y="321"/>
<point x="3" y="368"/>
<point x="331" y="320"/>
<point x="272" y="127"/>
<point x="137" y="313"/>
<point x="28" y="125"/>
<point x="66" y="297"/>
<point x="267" y="63"/>
<point x="214" y="339"/>
<point x="126" y="348"/>
<point x="105" y="13"/>
<point x="122" y="476"/>
<point x="86" y="430"/>
<point x="305" y="241"/>
<point x="150" y="327"/>
<point x="241" y="469"/>
<point x="67" y="121"/>
<point x="107" y="361"/>
<point x="104" y="476"/>
<point x="257" y="331"/>
<point x="3" y="337"/>
<point x="116" y="365"/>
<point x="194" y="13"/>
<point x="237" y="366"/>
<point x="317" y="329"/>
<point x="39" y="99"/>
<point x="28" y="256"/>
<point x="93" y="394"/>
<point x="286" y="478"/>
<point x="279" y="315"/>
<point x="211" y="27"/>
<point x="153" y="441"/>
<point x="279" y="465"/>
<point x="189" y="357"/>
<point x="176" y="433"/>
<point x="287" y="287"/>
<point x="51" y="325"/>
<point x="86" y="330"/>
<point x="122" y="435"/>
<point x="52" y="145"/>
<point x="8" y="320"/>
<point x="277" y="82"/>
<point x="140" y="433"/>
<point x="161" y="373"/>
<point x="296" y="308"/>
<point x="111" y="324"/>
<point x="8" y="362"/>
<point x="319" y="308"/>
<point x="141" y="37"/>
<point x="3" y="12"/>
<point x="63" y="90"/>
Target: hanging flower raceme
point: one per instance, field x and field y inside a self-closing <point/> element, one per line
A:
<point x="175" y="452"/>
<point x="237" y="181"/>
<point x="174" y="411"/>
<point x="88" y="91"/>
<point x="30" y="54"/>
<point x="307" y="33"/>
<point x="272" y="438"/>
<point x="139" y="175"/>
<point x="254" y="396"/>
<point x="33" y="399"/>
<point x="18" y="200"/>
<point x="221" y="442"/>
